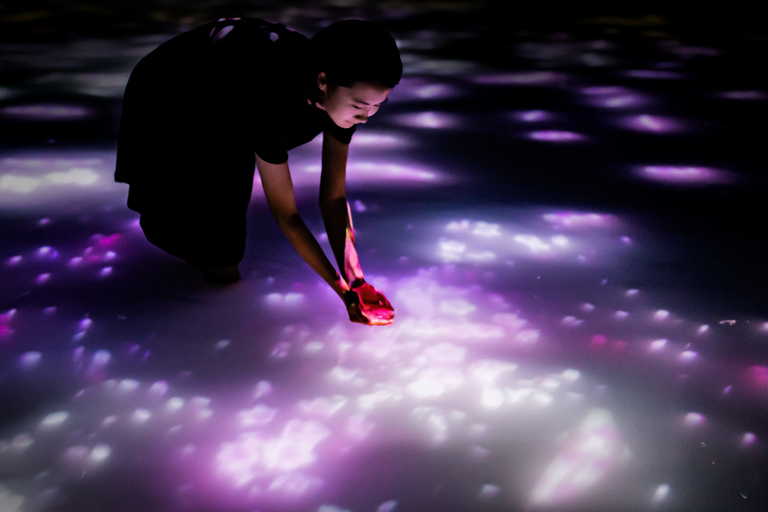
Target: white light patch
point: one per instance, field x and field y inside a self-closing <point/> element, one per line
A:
<point x="660" y="494"/>
<point x="83" y="177"/>
<point x="54" y="420"/>
<point x="590" y="453"/>
<point x="19" y="184"/>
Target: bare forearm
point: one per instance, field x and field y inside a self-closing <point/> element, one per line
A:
<point x="306" y="245"/>
<point x="335" y="220"/>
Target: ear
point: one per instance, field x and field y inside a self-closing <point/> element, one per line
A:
<point x="322" y="81"/>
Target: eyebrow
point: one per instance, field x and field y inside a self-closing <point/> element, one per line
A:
<point x="365" y="103"/>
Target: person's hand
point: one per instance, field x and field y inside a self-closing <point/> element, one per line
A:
<point x="374" y="306"/>
<point x="352" y="301"/>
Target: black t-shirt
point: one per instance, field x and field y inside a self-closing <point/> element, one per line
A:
<point x="259" y="70"/>
<point x="195" y="111"/>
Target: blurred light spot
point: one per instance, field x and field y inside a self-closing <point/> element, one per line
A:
<point x="21" y="442"/>
<point x="428" y="120"/>
<point x="744" y="95"/>
<point x="45" y="112"/>
<point x="632" y="293"/>
<point x="456" y="306"/>
<point x="101" y="358"/>
<point x="587" y="307"/>
<point x="128" y="385"/>
<point x="387" y="506"/>
<point x="578" y="220"/>
<point x="560" y="240"/>
<point x="104" y="272"/>
<point x="702" y="329"/>
<point x="748" y="439"/>
<point x="532" y="242"/>
<point x="83" y="177"/>
<point x="688" y="355"/>
<point x="572" y="321"/>
<point x="99" y="454"/>
<point x="532" y="116"/>
<point x="620" y="315"/>
<point x="30" y="359"/>
<point x="555" y="136"/>
<point x="54" y="420"/>
<point x="653" y="124"/>
<point x="263" y="388"/>
<point x="257" y="416"/>
<point x="661" y="315"/>
<point x="727" y="322"/>
<point x="694" y="419"/>
<point x="626" y="240"/>
<point x="661" y="493"/>
<point x="657" y="345"/>
<point x="589" y="454"/>
<point x="602" y="90"/>
<point x="488" y="491"/>
<point x="680" y="174"/>
<point x="529" y="78"/>
<point x="14" y="260"/>
<point x="654" y="74"/>
<point x="141" y="416"/>
<point x="158" y="388"/>
<point x="222" y="344"/>
<point x="19" y="184"/>
<point x="174" y="404"/>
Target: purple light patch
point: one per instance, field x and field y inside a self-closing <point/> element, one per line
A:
<point x="744" y="95"/>
<point x="579" y="220"/>
<point x="654" y="74"/>
<point x="428" y="120"/>
<point x="531" y="78"/>
<point x="693" y="419"/>
<point x="45" y="112"/>
<point x="683" y="174"/>
<point x="556" y="136"/>
<point x="532" y="116"/>
<point x="651" y="124"/>
<point x="603" y="91"/>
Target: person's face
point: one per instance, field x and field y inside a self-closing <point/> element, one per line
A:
<point x="348" y="106"/>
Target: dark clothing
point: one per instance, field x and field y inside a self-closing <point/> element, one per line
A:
<point x="195" y="111"/>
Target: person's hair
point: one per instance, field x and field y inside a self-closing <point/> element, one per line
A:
<point x="352" y="51"/>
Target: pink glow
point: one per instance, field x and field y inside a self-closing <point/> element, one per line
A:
<point x="523" y="78"/>
<point x="683" y="174"/>
<point x="14" y="260"/>
<point x="556" y="136"/>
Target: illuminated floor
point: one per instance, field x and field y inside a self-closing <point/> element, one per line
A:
<point x="567" y="218"/>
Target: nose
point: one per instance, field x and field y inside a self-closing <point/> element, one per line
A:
<point x="362" y="118"/>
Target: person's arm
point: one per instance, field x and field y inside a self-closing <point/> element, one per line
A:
<point x="278" y="190"/>
<point x="341" y="235"/>
<point x="333" y="204"/>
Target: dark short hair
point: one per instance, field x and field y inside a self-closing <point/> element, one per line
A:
<point x="352" y="51"/>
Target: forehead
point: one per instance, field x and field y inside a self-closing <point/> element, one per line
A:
<point x="367" y="92"/>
